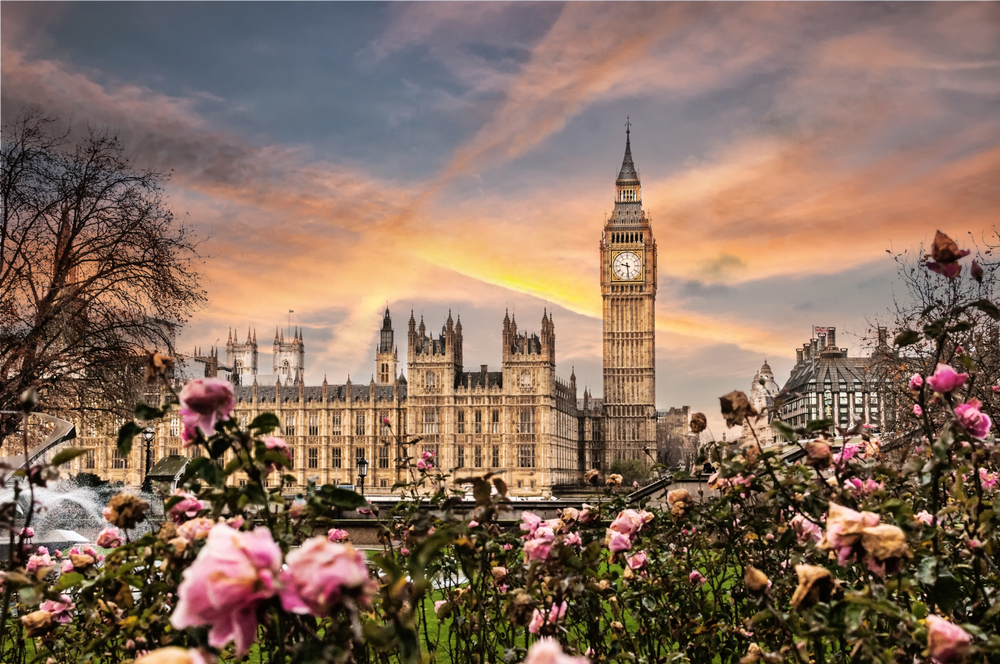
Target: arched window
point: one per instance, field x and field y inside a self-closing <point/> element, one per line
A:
<point x="430" y="380"/>
<point x="285" y="368"/>
<point x="525" y="380"/>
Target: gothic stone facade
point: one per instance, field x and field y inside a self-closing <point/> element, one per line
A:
<point x="521" y="420"/>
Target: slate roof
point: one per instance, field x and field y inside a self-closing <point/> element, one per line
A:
<point x="480" y="379"/>
<point x="627" y="174"/>
<point x="835" y="369"/>
<point x="290" y="393"/>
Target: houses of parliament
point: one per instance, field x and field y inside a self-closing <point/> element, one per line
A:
<point x="522" y="421"/>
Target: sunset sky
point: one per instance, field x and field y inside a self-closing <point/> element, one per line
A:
<point x="340" y="157"/>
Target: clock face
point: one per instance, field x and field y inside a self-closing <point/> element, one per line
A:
<point x="627" y="266"/>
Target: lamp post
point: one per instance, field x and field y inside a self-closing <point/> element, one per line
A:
<point x="147" y="435"/>
<point x="362" y="473"/>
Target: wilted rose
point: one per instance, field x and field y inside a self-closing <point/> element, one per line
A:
<point x="680" y="501"/>
<point x="174" y="655"/>
<point x="157" y="365"/>
<point x="126" y="511"/>
<point x="37" y="623"/>
<point x="886" y="546"/>
<point x="698" y="423"/>
<point x="592" y="476"/>
<point x="818" y="454"/>
<point x="755" y="580"/>
<point x="736" y="408"/>
<point x="816" y="584"/>
<point x="614" y="480"/>
<point x="946" y="253"/>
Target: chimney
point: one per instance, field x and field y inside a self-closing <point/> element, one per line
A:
<point x="831" y="337"/>
<point x="798" y="356"/>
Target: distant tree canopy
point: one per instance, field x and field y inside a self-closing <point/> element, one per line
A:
<point x="94" y="269"/>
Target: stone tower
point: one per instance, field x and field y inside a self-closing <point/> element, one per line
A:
<point x="386" y="355"/>
<point x="289" y="356"/>
<point x="242" y="357"/>
<point x="628" y="290"/>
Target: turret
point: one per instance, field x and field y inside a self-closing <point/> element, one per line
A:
<point x="386" y="355"/>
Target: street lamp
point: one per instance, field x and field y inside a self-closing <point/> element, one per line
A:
<point x="362" y="472"/>
<point x="147" y="435"/>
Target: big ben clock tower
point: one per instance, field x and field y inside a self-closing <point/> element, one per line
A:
<point x="628" y="289"/>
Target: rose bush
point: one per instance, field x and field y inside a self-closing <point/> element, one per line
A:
<point x="856" y="552"/>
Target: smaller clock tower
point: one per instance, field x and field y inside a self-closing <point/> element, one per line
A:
<point x="628" y="290"/>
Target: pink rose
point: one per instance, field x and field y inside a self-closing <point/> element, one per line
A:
<point x="438" y="604"/>
<point x="573" y="539"/>
<point x="806" y="530"/>
<point x="424" y="465"/>
<point x="917" y="410"/>
<point x="946" y="379"/>
<point x="925" y="517"/>
<point x="697" y="577"/>
<point x="987" y="479"/>
<point x="548" y="651"/>
<point x="297" y="509"/>
<point x="28" y="532"/>
<point x="588" y="513"/>
<point x="617" y="541"/>
<point x="233" y="573"/>
<point x="427" y="455"/>
<point x="947" y="642"/>
<point x="321" y="575"/>
<point x="67" y="567"/>
<point x="539" y="618"/>
<point x="977" y="424"/>
<point x="916" y="382"/>
<point x="386" y="422"/>
<point x="404" y="551"/>
<point x="275" y="443"/>
<point x="197" y="528"/>
<point x="109" y="539"/>
<point x="338" y="535"/>
<point x="529" y="522"/>
<point x="538" y="549"/>
<point x="637" y="560"/>
<point x="189" y="433"/>
<point x="40" y="559"/>
<point x="59" y="610"/>
<point x="206" y="401"/>
<point x="628" y="522"/>
<point x="473" y="523"/>
<point x="186" y="508"/>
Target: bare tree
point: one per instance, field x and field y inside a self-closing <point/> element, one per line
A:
<point x="94" y="269"/>
<point x="965" y="306"/>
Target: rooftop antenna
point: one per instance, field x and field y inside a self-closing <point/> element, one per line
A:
<point x="290" y="312"/>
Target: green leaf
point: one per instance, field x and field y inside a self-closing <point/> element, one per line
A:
<point x="783" y="430"/>
<point x="275" y="457"/>
<point x="936" y="329"/>
<point x="68" y="580"/>
<point x="343" y="498"/>
<point x="67" y="454"/>
<point x="947" y="591"/>
<point x="265" y="422"/>
<point x="988" y="308"/>
<point x="128" y="431"/>
<point x="907" y="338"/>
<point x="144" y="411"/>
<point x="818" y="425"/>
